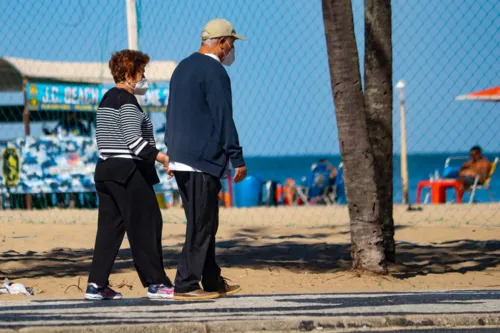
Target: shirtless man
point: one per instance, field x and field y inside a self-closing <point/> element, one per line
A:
<point x="478" y="165"/>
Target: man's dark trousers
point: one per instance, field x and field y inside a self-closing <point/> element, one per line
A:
<point x="199" y="193"/>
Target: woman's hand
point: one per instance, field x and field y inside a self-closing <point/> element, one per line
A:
<point x="169" y="172"/>
<point x="163" y="159"/>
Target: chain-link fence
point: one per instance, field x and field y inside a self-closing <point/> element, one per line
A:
<point x="283" y="105"/>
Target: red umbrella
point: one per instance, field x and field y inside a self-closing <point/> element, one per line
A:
<point x="490" y="95"/>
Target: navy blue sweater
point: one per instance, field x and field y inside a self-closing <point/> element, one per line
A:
<point x="200" y="129"/>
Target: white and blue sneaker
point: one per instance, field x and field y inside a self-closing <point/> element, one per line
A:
<point x="160" y="291"/>
<point x="96" y="293"/>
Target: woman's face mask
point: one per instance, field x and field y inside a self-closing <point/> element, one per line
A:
<point x="141" y="86"/>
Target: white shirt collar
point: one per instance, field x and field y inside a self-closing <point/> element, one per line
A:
<point x="211" y="55"/>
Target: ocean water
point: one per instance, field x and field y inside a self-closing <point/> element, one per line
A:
<point x="420" y="167"/>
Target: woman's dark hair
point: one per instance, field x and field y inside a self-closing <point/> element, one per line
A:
<point x="126" y="62"/>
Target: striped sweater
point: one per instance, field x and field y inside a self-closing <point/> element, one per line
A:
<point x="123" y="130"/>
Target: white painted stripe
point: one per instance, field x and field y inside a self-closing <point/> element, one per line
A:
<point x="130" y="157"/>
<point x="138" y="150"/>
<point x="133" y="145"/>
<point x="116" y="151"/>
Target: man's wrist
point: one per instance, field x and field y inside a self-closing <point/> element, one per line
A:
<point x="237" y="162"/>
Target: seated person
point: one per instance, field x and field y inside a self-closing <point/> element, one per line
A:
<point x="331" y="183"/>
<point x="69" y="125"/>
<point x="324" y="175"/>
<point x="478" y="165"/>
<point x="290" y="192"/>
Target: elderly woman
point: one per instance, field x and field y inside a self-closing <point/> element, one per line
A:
<point x="124" y="178"/>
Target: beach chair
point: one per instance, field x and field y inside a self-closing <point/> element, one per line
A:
<point x="485" y="185"/>
<point x="316" y="187"/>
<point x="318" y="183"/>
<point x="339" y="189"/>
<point x="449" y="160"/>
<point x="476" y="186"/>
<point x="332" y="193"/>
<point x="302" y="195"/>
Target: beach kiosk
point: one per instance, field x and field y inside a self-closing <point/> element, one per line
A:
<point x="438" y="188"/>
<point x="52" y="89"/>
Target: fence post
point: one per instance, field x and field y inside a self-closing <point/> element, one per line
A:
<point x="133" y="41"/>
<point x="404" y="158"/>
<point x="27" y="132"/>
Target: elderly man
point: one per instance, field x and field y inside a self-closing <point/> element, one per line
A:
<point x="202" y="141"/>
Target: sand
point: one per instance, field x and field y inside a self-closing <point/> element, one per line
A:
<point x="265" y="250"/>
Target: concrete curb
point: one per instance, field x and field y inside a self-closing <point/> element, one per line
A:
<point x="340" y="323"/>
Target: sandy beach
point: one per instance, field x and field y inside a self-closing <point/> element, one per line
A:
<point x="266" y="250"/>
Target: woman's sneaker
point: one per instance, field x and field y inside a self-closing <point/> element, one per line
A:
<point x="160" y="291"/>
<point x="95" y="293"/>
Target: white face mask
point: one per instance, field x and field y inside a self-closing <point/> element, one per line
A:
<point x="229" y="58"/>
<point x="141" y="87"/>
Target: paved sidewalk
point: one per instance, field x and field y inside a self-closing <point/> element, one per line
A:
<point x="257" y="313"/>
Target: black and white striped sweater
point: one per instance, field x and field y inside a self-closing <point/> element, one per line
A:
<point x="123" y="130"/>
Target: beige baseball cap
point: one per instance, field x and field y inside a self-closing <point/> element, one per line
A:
<point x="219" y="28"/>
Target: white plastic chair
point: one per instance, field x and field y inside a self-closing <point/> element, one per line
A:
<point x="485" y="185"/>
<point x="476" y="186"/>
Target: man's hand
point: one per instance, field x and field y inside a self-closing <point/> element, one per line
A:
<point x="466" y="165"/>
<point x="240" y="174"/>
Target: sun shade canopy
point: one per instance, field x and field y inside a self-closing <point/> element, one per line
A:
<point x="14" y="70"/>
<point x="491" y="95"/>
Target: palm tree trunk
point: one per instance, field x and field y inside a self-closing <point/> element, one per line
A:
<point x="378" y="107"/>
<point x="361" y="190"/>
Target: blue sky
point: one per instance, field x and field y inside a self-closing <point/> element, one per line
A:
<point x="281" y="86"/>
